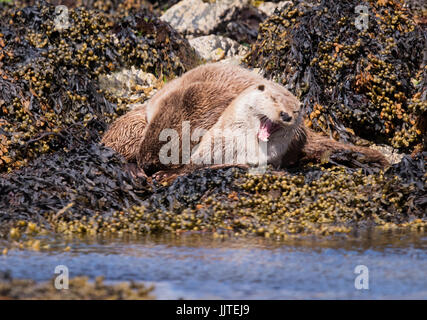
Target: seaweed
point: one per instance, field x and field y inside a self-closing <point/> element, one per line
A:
<point x="79" y="288"/>
<point x="356" y="78"/>
<point x="53" y="111"/>
<point x="49" y="76"/>
<point x="84" y="180"/>
<point x="54" y="174"/>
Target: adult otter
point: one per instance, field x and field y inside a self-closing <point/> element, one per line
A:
<point x="263" y="115"/>
<point x="206" y="97"/>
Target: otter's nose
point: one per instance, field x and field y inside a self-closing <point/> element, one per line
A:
<point x="285" y="117"/>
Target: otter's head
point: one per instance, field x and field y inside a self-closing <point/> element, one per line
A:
<point x="273" y="106"/>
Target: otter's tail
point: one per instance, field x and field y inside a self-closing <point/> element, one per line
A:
<point x="318" y="146"/>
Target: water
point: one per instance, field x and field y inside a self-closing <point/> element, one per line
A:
<point x="200" y="267"/>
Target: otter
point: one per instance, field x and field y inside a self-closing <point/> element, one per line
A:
<point x="217" y="97"/>
<point x="125" y="134"/>
<point x="261" y="113"/>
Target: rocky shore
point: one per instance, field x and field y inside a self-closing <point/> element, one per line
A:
<point x="61" y="88"/>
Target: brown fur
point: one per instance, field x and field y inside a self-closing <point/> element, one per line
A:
<point x="312" y="146"/>
<point x="318" y="145"/>
<point x="126" y="133"/>
<point x="201" y="96"/>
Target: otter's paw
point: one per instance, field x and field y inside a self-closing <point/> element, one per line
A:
<point x="135" y="171"/>
<point x="165" y="176"/>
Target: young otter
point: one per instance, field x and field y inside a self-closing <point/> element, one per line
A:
<point x="217" y="97"/>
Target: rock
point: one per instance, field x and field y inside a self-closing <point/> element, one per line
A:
<point x="215" y="48"/>
<point x="392" y="155"/>
<point x="269" y="7"/>
<point x="133" y="84"/>
<point x="162" y="5"/>
<point x="237" y="19"/>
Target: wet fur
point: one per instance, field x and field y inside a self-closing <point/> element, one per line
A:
<point x="199" y="96"/>
<point x="126" y="133"/>
<point x="242" y="119"/>
<point x="202" y="96"/>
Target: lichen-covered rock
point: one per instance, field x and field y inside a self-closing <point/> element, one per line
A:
<point x="215" y="48"/>
<point x="352" y="76"/>
<point x="269" y="7"/>
<point x="392" y="155"/>
<point x="131" y="85"/>
<point x="236" y="19"/>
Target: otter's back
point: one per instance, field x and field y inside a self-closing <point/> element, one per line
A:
<point x="200" y="96"/>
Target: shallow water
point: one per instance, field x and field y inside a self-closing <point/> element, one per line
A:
<point x="201" y="267"/>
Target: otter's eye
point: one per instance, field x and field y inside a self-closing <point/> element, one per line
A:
<point x="261" y="87"/>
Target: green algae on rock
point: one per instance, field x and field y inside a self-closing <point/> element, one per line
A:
<point x="350" y="80"/>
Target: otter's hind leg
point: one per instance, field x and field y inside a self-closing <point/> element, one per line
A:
<point x="126" y="133"/>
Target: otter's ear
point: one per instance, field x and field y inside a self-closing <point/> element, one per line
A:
<point x="261" y="87"/>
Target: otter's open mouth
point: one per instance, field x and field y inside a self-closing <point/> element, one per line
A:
<point x="266" y="128"/>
